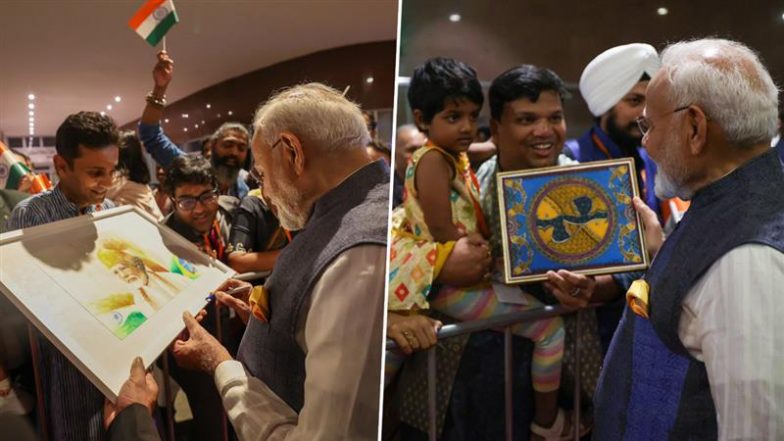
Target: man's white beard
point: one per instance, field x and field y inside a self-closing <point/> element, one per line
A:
<point x="290" y="208"/>
<point x="666" y="187"/>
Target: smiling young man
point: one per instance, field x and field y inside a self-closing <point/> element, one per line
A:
<point x="87" y="155"/>
<point x="203" y="216"/>
<point x="200" y="214"/>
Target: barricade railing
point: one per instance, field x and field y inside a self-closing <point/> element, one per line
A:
<point x="505" y="322"/>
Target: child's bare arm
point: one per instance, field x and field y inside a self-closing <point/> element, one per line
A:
<point x="433" y="177"/>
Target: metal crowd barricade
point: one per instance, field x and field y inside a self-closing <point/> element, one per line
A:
<point x="505" y="321"/>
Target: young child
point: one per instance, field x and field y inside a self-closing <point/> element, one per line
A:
<point x="441" y="204"/>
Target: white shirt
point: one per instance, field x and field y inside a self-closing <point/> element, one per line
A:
<point x="733" y="321"/>
<point x="343" y="340"/>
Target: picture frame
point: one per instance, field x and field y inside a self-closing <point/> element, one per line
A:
<point x="579" y="218"/>
<point x="107" y="287"/>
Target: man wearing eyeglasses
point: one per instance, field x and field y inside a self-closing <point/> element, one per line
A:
<point x="698" y="354"/>
<point x="203" y="217"/>
<point x="200" y="214"/>
<point x="613" y="85"/>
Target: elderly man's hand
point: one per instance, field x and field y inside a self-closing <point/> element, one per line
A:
<point x="238" y="302"/>
<point x="201" y="351"/>
<point x="140" y="388"/>
<point x="413" y="332"/>
<point x="571" y="289"/>
<point x="654" y="235"/>
<point x="469" y="262"/>
<point x="163" y="70"/>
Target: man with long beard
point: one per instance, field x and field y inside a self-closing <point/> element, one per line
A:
<point x="229" y="144"/>
<point x="310" y="360"/>
<point x="613" y="85"/>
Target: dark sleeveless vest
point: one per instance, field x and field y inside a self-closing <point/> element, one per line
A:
<point x="353" y="213"/>
<point x="651" y="388"/>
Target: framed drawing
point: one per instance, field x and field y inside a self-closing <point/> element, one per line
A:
<point x="578" y="218"/>
<point x="107" y="287"/>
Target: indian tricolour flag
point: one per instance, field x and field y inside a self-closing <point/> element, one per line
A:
<point x="154" y="19"/>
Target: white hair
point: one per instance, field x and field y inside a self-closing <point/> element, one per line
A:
<point x="728" y="81"/>
<point x="319" y="115"/>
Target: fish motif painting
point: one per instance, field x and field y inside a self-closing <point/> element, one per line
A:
<point x="578" y="218"/>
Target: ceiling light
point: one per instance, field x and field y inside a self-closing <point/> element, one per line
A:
<point x="31" y="106"/>
<point x="454" y="18"/>
<point x="31" y="113"/>
<point x="782" y="16"/>
<point x="195" y="126"/>
<point x="31" y="97"/>
<point x="202" y="122"/>
<point x="369" y="80"/>
<point x="166" y="120"/>
<point x="108" y="107"/>
<point x="32" y="120"/>
<point x="230" y="113"/>
<point x="117" y="99"/>
<point x="209" y="105"/>
<point x="103" y="113"/>
<point x="184" y="129"/>
<point x="185" y="115"/>
<point x="662" y="11"/>
<point x="219" y="115"/>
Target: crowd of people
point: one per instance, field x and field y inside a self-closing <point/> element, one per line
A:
<point x="688" y="349"/>
<point x="302" y="206"/>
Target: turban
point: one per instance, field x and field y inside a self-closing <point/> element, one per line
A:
<point x="613" y="73"/>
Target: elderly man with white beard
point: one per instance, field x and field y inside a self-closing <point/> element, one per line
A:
<point x="698" y="354"/>
<point x="309" y="363"/>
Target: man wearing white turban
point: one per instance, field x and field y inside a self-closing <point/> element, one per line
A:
<point x="613" y="84"/>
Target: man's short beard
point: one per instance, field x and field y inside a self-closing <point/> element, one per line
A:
<point x="621" y="135"/>
<point x="291" y="210"/>
<point x="666" y="185"/>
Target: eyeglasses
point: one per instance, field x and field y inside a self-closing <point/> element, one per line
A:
<point x="188" y="203"/>
<point x="645" y="125"/>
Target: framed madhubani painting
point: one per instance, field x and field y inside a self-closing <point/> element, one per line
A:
<point x="578" y="218"/>
<point x="107" y="287"/>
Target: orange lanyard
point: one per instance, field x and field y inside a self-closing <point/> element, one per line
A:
<point x="215" y="233"/>
<point x="600" y="145"/>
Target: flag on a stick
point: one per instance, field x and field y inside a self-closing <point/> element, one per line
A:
<point x="154" y="19"/>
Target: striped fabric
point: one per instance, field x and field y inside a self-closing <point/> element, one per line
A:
<point x="46" y="207"/>
<point x="73" y="405"/>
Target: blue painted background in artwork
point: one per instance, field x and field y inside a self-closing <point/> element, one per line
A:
<point x="539" y="262"/>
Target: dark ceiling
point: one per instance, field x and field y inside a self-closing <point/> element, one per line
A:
<point x="565" y="35"/>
